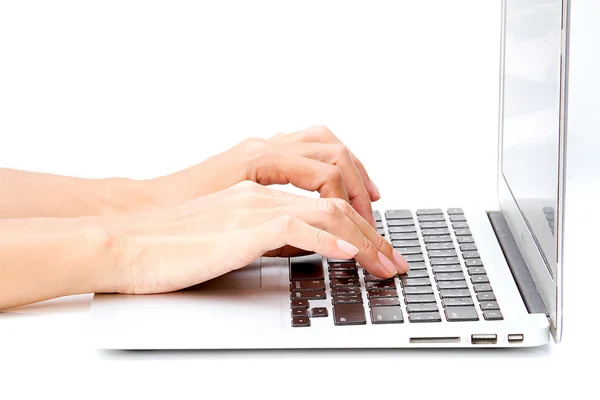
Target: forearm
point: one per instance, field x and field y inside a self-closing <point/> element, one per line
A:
<point x="44" y="258"/>
<point x="30" y="194"/>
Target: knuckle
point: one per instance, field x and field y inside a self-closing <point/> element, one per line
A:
<point x="286" y="224"/>
<point x="329" y="207"/>
<point x="341" y="151"/>
<point x="343" y="206"/>
<point x="321" y="238"/>
<point x="333" y="174"/>
<point x="367" y="245"/>
<point x="247" y="186"/>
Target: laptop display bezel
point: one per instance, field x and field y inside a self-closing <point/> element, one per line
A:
<point x="549" y="287"/>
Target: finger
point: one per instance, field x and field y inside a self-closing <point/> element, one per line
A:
<point x="291" y="231"/>
<point x="320" y="134"/>
<point x="282" y="168"/>
<point x="382" y="245"/>
<point x="326" y="215"/>
<point x="339" y="155"/>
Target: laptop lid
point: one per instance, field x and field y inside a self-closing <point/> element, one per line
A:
<point x="532" y="139"/>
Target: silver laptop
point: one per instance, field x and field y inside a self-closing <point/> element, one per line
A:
<point x="478" y="278"/>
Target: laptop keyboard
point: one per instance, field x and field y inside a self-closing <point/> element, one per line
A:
<point x="447" y="280"/>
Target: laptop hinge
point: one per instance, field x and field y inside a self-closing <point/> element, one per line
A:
<point x="529" y="293"/>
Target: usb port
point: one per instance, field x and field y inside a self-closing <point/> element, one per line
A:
<point x="515" y="337"/>
<point x="484" y="339"/>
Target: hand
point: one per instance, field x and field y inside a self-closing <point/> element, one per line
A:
<point x="183" y="245"/>
<point x="312" y="159"/>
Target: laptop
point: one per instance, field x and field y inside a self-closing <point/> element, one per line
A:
<point x="478" y="277"/>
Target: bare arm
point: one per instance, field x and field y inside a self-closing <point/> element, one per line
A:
<point x="29" y="194"/>
<point x="43" y="258"/>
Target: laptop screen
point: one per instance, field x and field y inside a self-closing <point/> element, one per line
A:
<point x="531" y="117"/>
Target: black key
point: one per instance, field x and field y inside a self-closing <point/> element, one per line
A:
<point x="338" y="260"/>
<point x="486" y="296"/>
<point x="402" y="229"/>
<point x="372" y="278"/>
<point x="453" y="211"/>
<point x="386" y="315"/>
<point x="345" y="282"/>
<point x="450" y="276"/>
<point x="400" y="222"/>
<point x="319" y="312"/>
<point x="343" y="274"/>
<point x="417" y="265"/>
<point x="347" y="299"/>
<point x="468" y="247"/>
<point x="409" y="250"/>
<point x="425" y="317"/>
<point x="419" y="298"/>
<point x="299" y="304"/>
<point x="300" y="321"/>
<point x="470" y="254"/>
<point x="342" y="266"/>
<point x="438" y="239"/>
<point x="377" y="215"/>
<point x="413" y="290"/>
<point x="462" y="232"/>
<point x="434" y="232"/>
<point x="372" y="293"/>
<point x="457" y="302"/>
<point x="421" y="307"/>
<point x="454" y="314"/>
<point x="384" y="301"/>
<point x="457" y="218"/>
<point x="465" y="239"/>
<point x="405" y="243"/>
<point x="441" y="269"/>
<point x="404" y="236"/>
<point x="444" y="261"/>
<point x="381" y="285"/>
<point x="345" y="290"/>
<point x="308" y="295"/>
<point x="306" y="268"/>
<point x="442" y="253"/>
<point x="416" y="273"/>
<point x="482" y="287"/>
<point x="474" y="262"/>
<point x="432" y="218"/>
<point x="398" y="214"/>
<point x="479" y="279"/>
<point x="476" y="270"/>
<point x="433" y="225"/>
<point x="489" y="305"/>
<point x="429" y="211"/>
<point x="414" y="258"/>
<point x="440" y="246"/>
<point x="451" y="293"/>
<point x="492" y="315"/>
<point x="299" y="312"/>
<point x="460" y="225"/>
<point x="349" y="314"/>
<point x="307" y="285"/>
<point x="452" y="285"/>
<point x="415" y="282"/>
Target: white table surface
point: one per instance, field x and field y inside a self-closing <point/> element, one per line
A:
<point x="138" y="89"/>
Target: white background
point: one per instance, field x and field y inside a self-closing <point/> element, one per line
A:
<point x="139" y="89"/>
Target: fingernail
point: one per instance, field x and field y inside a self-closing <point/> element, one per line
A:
<point x="387" y="264"/>
<point x="375" y="188"/>
<point x="400" y="261"/>
<point x="347" y="248"/>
